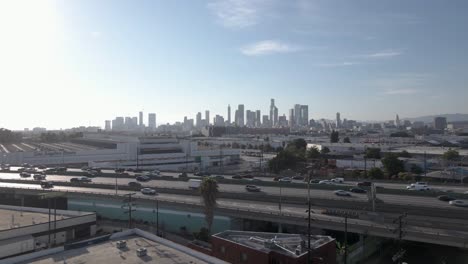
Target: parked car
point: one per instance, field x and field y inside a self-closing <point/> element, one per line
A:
<point x="364" y="184"/>
<point x="142" y="178"/>
<point x="134" y="184"/>
<point x="325" y="182"/>
<point x="25" y="174"/>
<point x="341" y="193"/>
<point x="357" y="190"/>
<point x="47" y="185"/>
<point x="252" y="188"/>
<point x="148" y="191"/>
<point x="285" y="179"/>
<point x="445" y="198"/>
<point x="460" y="203"/>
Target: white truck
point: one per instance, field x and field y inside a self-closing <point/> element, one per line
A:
<point x="194" y="184"/>
<point x="418" y="186"/>
<point x="338" y="180"/>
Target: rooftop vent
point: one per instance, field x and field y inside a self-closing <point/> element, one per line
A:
<point x="121" y="244"/>
<point x="141" y="252"/>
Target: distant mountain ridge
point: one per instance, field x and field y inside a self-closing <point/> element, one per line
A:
<point x="430" y="118"/>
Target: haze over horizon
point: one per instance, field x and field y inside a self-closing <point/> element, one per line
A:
<point x="71" y="63"/>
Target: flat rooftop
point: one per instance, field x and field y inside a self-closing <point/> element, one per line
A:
<point x="282" y="243"/>
<point x="107" y="252"/>
<point x="15" y="218"/>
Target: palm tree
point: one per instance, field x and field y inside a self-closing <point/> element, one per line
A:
<point x="209" y="194"/>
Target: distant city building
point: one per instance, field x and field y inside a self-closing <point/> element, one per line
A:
<point x="338" y="120"/>
<point x="218" y="121"/>
<point x="397" y="121"/>
<point x="297" y="114"/>
<point x="282" y="121"/>
<point x="118" y="124"/>
<point x="229" y="115"/>
<point x="304" y="115"/>
<point x="291" y="118"/>
<point x="207" y="117"/>
<point x="273" y="113"/>
<point x="152" y="121"/>
<point x="440" y="123"/>
<point x="258" y="119"/>
<point x="140" y="121"/>
<point x="108" y="125"/>
<point x="265" y="121"/>
<point x="199" y="120"/>
<point x="250" y="117"/>
<point x="240" y="115"/>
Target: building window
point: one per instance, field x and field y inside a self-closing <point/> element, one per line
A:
<point x="243" y="257"/>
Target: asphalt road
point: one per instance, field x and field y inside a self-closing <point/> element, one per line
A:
<point x="267" y="190"/>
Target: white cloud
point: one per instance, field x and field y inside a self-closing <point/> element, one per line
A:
<point x="237" y="13"/>
<point x="338" y="64"/>
<point x="382" y="54"/>
<point x="267" y="47"/>
<point x="96" y="34"/>
<point x="401" y="91"/>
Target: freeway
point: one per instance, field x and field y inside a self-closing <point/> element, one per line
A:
<point x="294" y="214"/>
<point x="421" y="201"/>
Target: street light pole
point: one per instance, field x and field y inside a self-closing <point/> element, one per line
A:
<point x="309" y="257"/>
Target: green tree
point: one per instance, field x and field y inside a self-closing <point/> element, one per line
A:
<point x="373" y="153"/>
<point x="7" y="136"/>
<point x="404" y="154"/>
<point x="392" y="164"/>
<point x="375" y="173"/>
<point x="299" y="143"/>
<point x="284" y="160"/>
<point x="451" y="155"/>
<point x="325" y="151"/>
<point x="346" y="140"/>
<point x="334" y="137"/>
<point x="209" y="193"/>
<point x="416" y="169"/>
<point x="313" y="153"/>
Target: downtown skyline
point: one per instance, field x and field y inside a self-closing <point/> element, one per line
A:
<point x="81" y="62"/>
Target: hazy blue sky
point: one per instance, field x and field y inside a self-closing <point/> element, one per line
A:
<point x="70" y="63"/>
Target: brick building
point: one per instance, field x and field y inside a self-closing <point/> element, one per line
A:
<point x="271" y="248"/>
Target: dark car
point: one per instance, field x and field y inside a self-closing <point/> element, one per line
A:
<point x="142" y="178"/>
<point x="445" y="198"/>
<point x="357" y="190"/>
<point x="198" y="173"/>
<point x="134" y="185"/>
<point x="252" y="188"/>
<point x="247" y="176"/>
<point x="120" y="170"/>
<point x="364" y="184"/>
<point x="314" y="181"/>
<point x="300" y="178"/>
<point x="47" y="185"/>
<point x="130" y="169"/>
<point x="238" y="177"/>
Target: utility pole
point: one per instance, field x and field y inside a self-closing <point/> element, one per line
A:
<point x="346" y="240"/>
<point x="399" y="255"/>
<point x="425" y="165"/>
<point x="128" y="204"/>
<point x="309" y="257"/>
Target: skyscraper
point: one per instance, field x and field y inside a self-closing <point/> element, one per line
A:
<point x="199" y="122"/>
<point x="273" y="116"/>
<point x="338" y="120"/>
<point x="229" y="115"/>
<point x="291" y="118"/>
<point x="397" y="121"/>
<point x="152" y="121"/>
<point x="297" y="114"/>
<point x="207" y="117"/>
<point x="141" y="119"/>
<point x="304" y="115"/>
<point x="258" y="121"/>
<point x="108" y="125"/>
<point x="240" y="115"/>
<point x="440" y="122"/>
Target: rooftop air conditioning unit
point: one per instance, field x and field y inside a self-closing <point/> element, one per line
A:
<point x="121" y="244"/>
<point x="141" y="252"/>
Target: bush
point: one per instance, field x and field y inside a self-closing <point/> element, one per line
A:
<point x="375" y="173"/>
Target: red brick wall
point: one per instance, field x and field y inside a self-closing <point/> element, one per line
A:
<point x="233" y="251"/>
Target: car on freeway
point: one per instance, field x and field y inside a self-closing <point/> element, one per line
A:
<point x="137" y="170"/>
<point x="465" y="192"/>
<point x="445" y="198"/>
<point x="143" y="178"/>
<point x="119" y="170"/>
<point x="183" y="175"/>
<point x="41" y="167"/>
<point x="30" y="170"/>
<point x="341" y="193"/>
<point x="47" y="184"/>
<point x="80" y="180"/>
<point x="198" y="173"/>
<point x="419" y="184"/>
<point x="134" y="184"/>
<point x="247" y="176"/>
<point x="298" y="177"/>
<point x="25" y="174"/>
<point x="418" y="188"/>
<point x="337" y="180"/>
<point x="255" y="180"/>
<point x="217" y="177"/>
<point x="50" y="171"/>
<point x="314" y="181"/>
<point x="148" y="191"/>
<point x="61" y="169"/>
<point x="237" y="177"/>
<point x="285" y="179"/>
<point x="364" y="184"/>
<point x="357" y="190"/>
<point x="460" y="203"/>
<point x="325" y="182"/>
<point x="130" y="169"/>
<point x="92" y="173"/>
<point x="39" y="177"/>
<point x="252" y="188"/>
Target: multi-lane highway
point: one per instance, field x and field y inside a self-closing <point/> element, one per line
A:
<point x="423" y="202"/>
